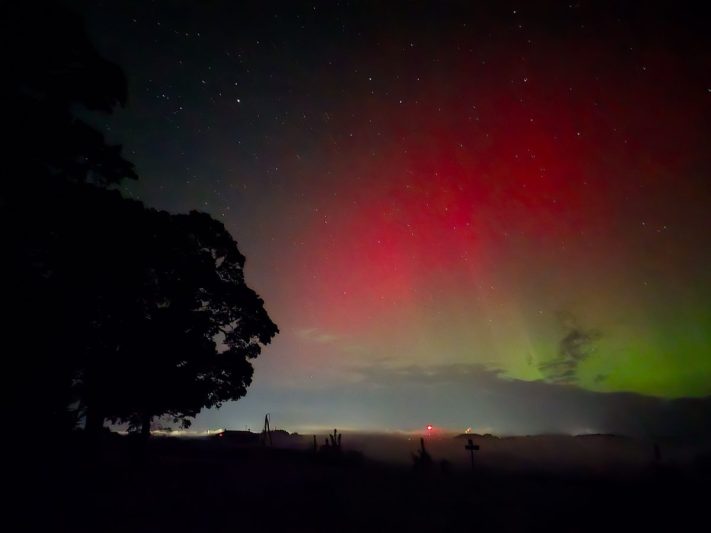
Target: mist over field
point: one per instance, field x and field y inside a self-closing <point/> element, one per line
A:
<point x="583" y="455"/>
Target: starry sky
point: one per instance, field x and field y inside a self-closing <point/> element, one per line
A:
<point x="471" y="214"/>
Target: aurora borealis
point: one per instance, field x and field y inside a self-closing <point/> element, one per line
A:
<point x="492" y="215"/>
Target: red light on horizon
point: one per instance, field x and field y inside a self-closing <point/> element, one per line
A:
<point x="429" y="427"/>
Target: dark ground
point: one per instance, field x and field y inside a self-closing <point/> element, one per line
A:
<point x="181" y="485"/>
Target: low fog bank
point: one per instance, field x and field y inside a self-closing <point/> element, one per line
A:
<point x="589" y="454"/>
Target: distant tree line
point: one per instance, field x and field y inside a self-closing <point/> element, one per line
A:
<point x="115" y="311"/>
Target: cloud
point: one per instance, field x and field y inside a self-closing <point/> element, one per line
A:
<point x="316" y="335"/>
<point x="456" y="395"/>
<point x="387" y="373"/>
<point x="384" y="395"/>
<point x="388" y="394"/>
<point x="575" y="347"/>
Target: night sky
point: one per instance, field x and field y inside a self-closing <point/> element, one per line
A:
<point x="486" y="215"/>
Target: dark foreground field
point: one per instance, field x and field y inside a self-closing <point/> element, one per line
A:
<point x="178" y="485"/>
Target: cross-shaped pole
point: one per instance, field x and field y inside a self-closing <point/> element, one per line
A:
<point x="471" y="448"/>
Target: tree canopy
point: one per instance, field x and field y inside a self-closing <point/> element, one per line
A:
<point x="188" y="332"/>
<point x="118" y="311"/>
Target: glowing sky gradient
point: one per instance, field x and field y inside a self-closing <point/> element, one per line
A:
<point x="480" y="206"/>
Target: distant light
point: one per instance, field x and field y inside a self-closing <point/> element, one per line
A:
<point x="429" y="427"/>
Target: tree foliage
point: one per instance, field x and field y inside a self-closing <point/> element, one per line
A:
<point x="116" y="310"/>
<point x="188" y="334"/>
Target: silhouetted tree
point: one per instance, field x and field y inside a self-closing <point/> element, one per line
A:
<point x="122" y="311"/>
<point x="50" y="69"/>
<point x="190" y="334"/>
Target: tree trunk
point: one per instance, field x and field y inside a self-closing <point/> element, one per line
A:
<point x="146" y="426"/>
<point x="93" y="426"/>
<point x="94" y="422"/>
